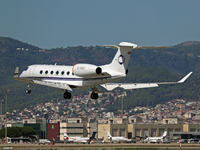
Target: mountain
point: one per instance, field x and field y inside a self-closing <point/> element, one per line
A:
<point x="145" y="66"/>
<point x="189" y="43"/>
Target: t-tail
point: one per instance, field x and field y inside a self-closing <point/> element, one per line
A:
<point x="108" y="134"/>
<point x="146" y="135"/>
<point x="66" y="136"/>
<point x="164" y="134"/>
<point x="93" y="136"/>
<point x="121" y="59"/>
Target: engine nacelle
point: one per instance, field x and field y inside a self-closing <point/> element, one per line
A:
<point x="86" y="70"/>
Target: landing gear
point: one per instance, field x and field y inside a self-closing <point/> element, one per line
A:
<point x="28" y="90"/>
<point x="94" y="95"/>
<point x="67" y="95"/>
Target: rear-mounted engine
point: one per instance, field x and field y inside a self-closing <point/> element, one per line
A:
<point x="86" y="70"/>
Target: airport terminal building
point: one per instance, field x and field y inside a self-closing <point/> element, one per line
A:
<point x="128" y="128"/>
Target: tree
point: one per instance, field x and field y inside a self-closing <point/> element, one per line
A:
<point x="17" y="132"/>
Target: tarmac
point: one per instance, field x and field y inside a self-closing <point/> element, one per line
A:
<point x="97" y="146"/>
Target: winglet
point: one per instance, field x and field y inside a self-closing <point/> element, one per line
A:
<point x="183" y="79"/>
<point x="16" y="73"/>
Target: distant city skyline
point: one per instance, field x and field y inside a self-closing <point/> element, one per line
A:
<point x="50" y="24"/>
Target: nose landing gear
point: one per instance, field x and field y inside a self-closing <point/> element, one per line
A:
<point x="28" y="90"/>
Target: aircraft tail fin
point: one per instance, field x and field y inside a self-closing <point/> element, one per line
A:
<point x="93" y="136"/>
<point x="108" y="134"/>
<point x="164" y="134"/>
<point x="146" y="135"/>
<point x="121" y="59"/>
<point x="66" y="136"/>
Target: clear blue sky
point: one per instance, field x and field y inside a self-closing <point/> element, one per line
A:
<point x="62" y="23"/>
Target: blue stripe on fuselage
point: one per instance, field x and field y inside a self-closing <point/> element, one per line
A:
<point x="68" y="79"/>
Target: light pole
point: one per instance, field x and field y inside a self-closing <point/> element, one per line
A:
<point x="6" y="93"/>
<point x="1" y="112"/>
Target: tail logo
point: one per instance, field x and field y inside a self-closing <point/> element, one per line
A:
<point x="121" y="59"/>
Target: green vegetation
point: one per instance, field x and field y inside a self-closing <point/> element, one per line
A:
<point x="145" y="66"/>
<point x="17" y="132"/>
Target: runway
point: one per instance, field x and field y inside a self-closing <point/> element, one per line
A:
<point x="105" y="146"/>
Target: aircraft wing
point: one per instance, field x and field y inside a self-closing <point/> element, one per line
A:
<point x="128" y="86"/>
<point x="52" y="83"/>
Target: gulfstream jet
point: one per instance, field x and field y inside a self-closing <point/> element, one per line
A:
<point x="87" y="75"/>
<point x="155" y="139"/>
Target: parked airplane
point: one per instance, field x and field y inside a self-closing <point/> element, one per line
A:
<point x="115" y="138"/>
<point x="87" y="75"/>
<point x="155" y="139"/>
<point x="86" y="139"/>
<point x="70" y="139"/>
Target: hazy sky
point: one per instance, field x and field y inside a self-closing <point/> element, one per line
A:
<point x="62" y="23"/>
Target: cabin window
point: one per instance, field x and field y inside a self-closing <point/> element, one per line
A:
<point x="57" y="72"/>
<point x="41" y="71"/>
<point x="68" y="72"/>
<point x="51" y="72"/>
<point x="62" y="72"/>
<point x="46" y="72"/>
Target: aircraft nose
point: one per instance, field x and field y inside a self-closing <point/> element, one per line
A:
<point x="23" y="74"/>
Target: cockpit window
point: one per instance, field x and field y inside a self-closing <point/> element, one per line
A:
<point x="26" y="68"/>
<point x="41" y="71"/>
<point x="46" y="72"/>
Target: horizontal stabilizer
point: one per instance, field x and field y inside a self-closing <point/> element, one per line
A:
<point x="134" y="46"/>
<point x="152" y="47"/>
<point x="123" y="44"/>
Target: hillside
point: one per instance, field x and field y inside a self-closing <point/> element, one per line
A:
<point x="145" y="66"/>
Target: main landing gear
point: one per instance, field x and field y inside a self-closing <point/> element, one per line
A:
<point x="67" y="95"/>
<point x="94" y="95"/>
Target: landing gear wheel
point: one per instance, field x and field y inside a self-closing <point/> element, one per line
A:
<point x="94" y="96"/>
<point x="67" y="95"/>
<point x="28" y="91"/>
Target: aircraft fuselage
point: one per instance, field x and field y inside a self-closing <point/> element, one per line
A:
<point x="64" y="74"/>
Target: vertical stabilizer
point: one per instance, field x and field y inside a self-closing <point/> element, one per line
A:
<point x="164" y="134"/>
<point x="108" y="134"/>
<point x="121" y="59"/>
<point x="93" y="136"/>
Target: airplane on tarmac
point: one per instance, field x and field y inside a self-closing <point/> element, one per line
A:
<point x="70" y="139"/>
<point x="87" y="75"/>
<point x="155" y="139"/>
<point x="86" y="139"/>
<point x="115" y="138"/>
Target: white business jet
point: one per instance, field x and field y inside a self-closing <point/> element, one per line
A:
<point x="70" y="139"/>
<point x="155" y="139"/>
<point x="80" y="139"/>
<point x="115" y="138"/>
<point x="87" y="75"/>
<point x="86" y="139"/>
